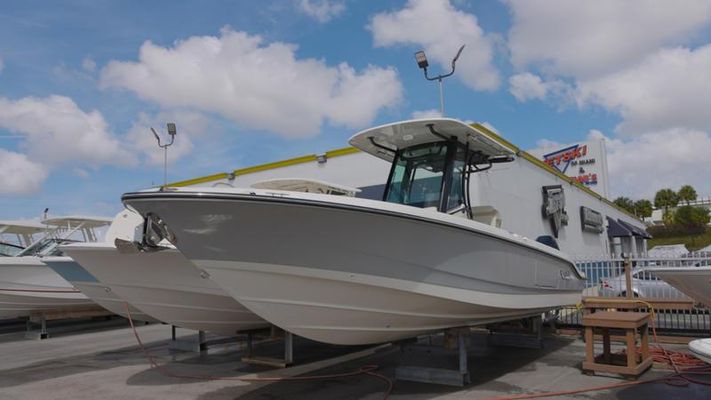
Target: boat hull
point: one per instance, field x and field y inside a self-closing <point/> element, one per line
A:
<point x="166" y="286"/>
<point x="28" y="286"/>
<point x="99" y="293"/>
<point x="694" y="282"/>
<point x="348" y="275"/>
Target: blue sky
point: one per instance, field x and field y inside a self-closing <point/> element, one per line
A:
<point x="253" y="82"/>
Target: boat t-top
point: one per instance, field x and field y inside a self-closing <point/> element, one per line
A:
<point x="349" y="270"/>
<point x="16" y="235"/>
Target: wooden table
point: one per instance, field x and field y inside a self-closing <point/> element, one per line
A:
<point x="629" y="322"/>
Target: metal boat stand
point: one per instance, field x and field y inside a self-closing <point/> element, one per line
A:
<point x="32" y="333"/>
<point x="194" y="343"/>
<point x="453" y="338"/>
<point x="36" y="323"/>
<point x="528" y="334"/>
<point x="251" y="358"/>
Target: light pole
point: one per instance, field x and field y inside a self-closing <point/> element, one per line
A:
<point x="421" y="59"/>
<point x="171" y="131"/>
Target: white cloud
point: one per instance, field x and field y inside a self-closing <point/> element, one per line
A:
<point x="322" y="10"/>
<point x="527" y="86"/>
<point x="431" y="113"/>
<point x="262" y="86"/>
<point x="57" y="131"/>
<point x="584" y="39"/>
<point x="543" y="144"/>
<point x="19" y="174"/>
<point x="671" y="88"/>
<point x="440" y="29"/>
<point x="642" y="165"/>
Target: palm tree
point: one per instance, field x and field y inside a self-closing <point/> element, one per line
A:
<point x="665" y="199"/>
<point x="687" y="194"/>
<point x="643" y="208"/>
<point x="625" y="203"/>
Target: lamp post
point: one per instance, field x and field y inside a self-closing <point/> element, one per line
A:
<point x="172" y="130"/>
<point x="421" y="59"/>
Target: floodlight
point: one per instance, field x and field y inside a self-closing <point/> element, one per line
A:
<point x="421" y="59"/>
<point x="172" y="130"/>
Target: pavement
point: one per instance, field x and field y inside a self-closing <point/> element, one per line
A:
<point x="102" y="360"/>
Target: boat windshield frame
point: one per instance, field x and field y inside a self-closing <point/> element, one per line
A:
<point x="451" y="149"/>
<point x="5" y="248"/>
<point x="47" y="246"/>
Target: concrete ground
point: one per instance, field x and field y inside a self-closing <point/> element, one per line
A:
<point x="102" y="360"/>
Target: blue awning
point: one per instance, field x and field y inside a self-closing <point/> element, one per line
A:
<point x="635" y="230"/>
<point x="615" y="229"/>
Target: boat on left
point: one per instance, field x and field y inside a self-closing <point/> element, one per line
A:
<point x="27" y="285"/>
<point x="16" y="235"/>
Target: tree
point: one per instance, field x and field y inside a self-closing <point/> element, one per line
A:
<point x="687" y="194"/>
<point x="643" y="208"/>
<point x="692" y="219"/>
<point x="665" y="199"/>
<point x="625" y="203"/>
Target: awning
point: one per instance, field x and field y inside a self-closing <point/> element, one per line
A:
<point x="615" y="229"/>
<point x="635" y="230"/>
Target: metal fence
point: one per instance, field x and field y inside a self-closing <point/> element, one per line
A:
<point x="606" y="278"/>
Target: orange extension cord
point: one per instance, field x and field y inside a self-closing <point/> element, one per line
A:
<point x="682" y="365"/>
<point x="364" y="370"/>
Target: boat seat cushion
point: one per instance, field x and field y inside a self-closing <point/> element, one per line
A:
<point x="486" y="215"/>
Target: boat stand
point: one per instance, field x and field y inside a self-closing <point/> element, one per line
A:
<point x="194" y="343"/>
<point x="453" y="338"/>
<point x="31" y="325"/>
<point x="251" y="358"/>
<point x="36" y="323"/>
<point x="529" y="336"/>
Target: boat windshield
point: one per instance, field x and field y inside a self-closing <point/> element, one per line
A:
<point x="9" y="249"/>
<point x="421" y="173"/>
<point x="45" y="247"/>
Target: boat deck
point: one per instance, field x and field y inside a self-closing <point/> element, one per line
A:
<point x="105" y="362"/>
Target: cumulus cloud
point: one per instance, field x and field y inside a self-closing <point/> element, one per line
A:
<point x="423" y="114"/>
<point x="56" y="130"/>
<point x="19" y="174"/>
<point x="440" y="29"/>
<point x="547" y="144"/>
<point x="527" y="86"/>
<point x="322" y="10"/>
<point x="584" y="39"/>
<point x="261" y="86"/>
<point x="641" y="165"/>
<point x="671" y="88"/>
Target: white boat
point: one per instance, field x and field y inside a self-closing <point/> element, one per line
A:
<point x="347" y="270"/>
<point x="16" y="235"/>
<point x="694" y="282"/>
<point x="160" y="284"/>
<point x="27" y="285"/>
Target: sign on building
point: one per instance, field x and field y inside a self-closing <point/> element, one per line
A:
<point x="585" y="162"/>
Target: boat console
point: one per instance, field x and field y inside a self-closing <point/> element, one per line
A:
<point x="432" y="161"/>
